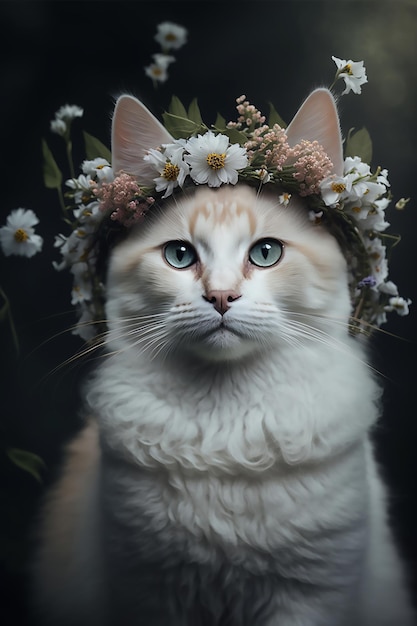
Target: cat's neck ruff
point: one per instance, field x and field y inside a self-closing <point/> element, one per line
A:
<point x="244" y="417"/>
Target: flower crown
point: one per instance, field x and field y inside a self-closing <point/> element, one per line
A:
<point x="106" y="200"/>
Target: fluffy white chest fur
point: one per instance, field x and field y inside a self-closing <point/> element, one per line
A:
<point x="227" y="477"/>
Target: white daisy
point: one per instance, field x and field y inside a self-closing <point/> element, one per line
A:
<point x="18" y="236"/>
<point x="171" y="36"/>
<point x="171" y="167"/>
<point x="213" y="161"/>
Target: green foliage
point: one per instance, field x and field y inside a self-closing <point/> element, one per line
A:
<point x="235" y="136"/>
<point x="95" y="148"/>
<point x="275" y="118"/>
<point x="181" y="123"/>
<point x="359" y="144"/>
<point x="52" y="175"/>
<point x="27" y="461"/>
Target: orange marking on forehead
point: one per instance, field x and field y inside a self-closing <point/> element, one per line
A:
<point x="217" y="210"/>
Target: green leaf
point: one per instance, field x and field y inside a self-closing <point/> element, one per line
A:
<point x="27" y="461"/>
<point x="95" y="148"/>
<point x="52" y="175"/>
<point x="275" y="118"/>
<point x="359" y="144"/>
<point x="177" y="108"/>
<point x="179" y="126"/>
<point x="235" y="136"/>
<point x="194" y="112"/>
<point x="220" y="123"/>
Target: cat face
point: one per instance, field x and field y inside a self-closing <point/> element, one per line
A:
<point x="220" y="274"/>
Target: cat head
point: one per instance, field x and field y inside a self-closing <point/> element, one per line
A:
<point x="224" y="272"/>
<point x="299" y="169"/>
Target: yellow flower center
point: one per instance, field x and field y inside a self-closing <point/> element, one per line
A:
<point x="156" y="71"/>
<point x="170" y="37"/>
<point x="21" y="235"/>
<point x="356" y="209"/>
<point x="338" y="187"/>
<point x="170" y="171"/>
<point x="348" y="69"/>
<point x="216" y="161"/>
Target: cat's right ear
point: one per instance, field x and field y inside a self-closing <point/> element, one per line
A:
<point x="134" y="131"/>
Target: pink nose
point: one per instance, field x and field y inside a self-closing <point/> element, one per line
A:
<point x="221" y="299"/>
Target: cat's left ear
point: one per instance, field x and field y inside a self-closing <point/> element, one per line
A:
<point x="318" y="120"/>
<point x="135" y="131"/>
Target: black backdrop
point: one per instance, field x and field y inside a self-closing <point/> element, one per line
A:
<point x="86" y="53"/>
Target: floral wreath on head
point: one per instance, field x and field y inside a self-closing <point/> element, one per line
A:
<point x="103" y="202"/>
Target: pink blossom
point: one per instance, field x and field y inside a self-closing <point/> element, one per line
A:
<point x="311" y="165"/>
<point x="124" y="200"/>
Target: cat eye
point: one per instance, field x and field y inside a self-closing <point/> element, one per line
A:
<point x="266" y="252"/>
<point x="180" y="254"/>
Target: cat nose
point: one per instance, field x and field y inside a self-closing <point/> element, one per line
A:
<point x="221" y="299"/>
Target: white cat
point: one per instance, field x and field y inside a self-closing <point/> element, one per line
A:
<point x="227" y="476"/>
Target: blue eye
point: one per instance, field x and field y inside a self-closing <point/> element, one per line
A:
<point x="180" y="254"/>
<point x="266" y="252"/>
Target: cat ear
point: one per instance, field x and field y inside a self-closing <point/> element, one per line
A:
<point x="134" y="131"/>
<point x="318" y="120"/>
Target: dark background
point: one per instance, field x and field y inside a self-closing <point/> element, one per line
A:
<point x="86" y="53"/>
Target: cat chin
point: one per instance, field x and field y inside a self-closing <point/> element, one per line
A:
<point x="222" y="345"/>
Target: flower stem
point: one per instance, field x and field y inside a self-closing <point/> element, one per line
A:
<point x="6" y="312"/>
<point x="69" y="157"/>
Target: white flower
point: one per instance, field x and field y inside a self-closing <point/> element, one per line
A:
<point x="389" y="288"/>
<point x="334" y="188"/>
<point x="170" y="165"/>
<point x="88" y="213"/>
<point x="18" y="236"/>
<point x="264" y="175"/>
<point x="82" y="186"/>
<point x="398" y="304"/>
<point x="377" y="259"/>
<point x="100" y="168"/>
<point x="352" y="72"/>
<point x="383" y="178"/>
<point x="81" y="289"/>
<point x="69" y="112"/>
<point x="171" y="36"/>
<point x="213" y="161"/>
<point x="367" y="190"/>
<point x="156" y="72"/>
<point x="163" y="60"/>
<point x="355" y="165"/>
<point x="284" y="198"/>
<point x="59" y="127"/>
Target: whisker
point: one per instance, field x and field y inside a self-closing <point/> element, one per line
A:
<point x="313" y="333"/>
